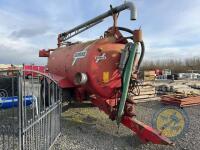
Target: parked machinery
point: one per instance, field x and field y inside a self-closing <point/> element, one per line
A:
<point x="103" y="70"/>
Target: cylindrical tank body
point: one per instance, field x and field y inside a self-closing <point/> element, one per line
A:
<point x="98" y="59"/>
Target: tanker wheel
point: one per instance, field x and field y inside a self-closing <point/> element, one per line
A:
<point x="66" y="98"/>
<point x="49" y="92"/>
<point x="46" y="92"/>
<point x="67" y="95"/>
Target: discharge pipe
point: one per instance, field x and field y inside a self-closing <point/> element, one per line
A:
<point x="126" y="5"/>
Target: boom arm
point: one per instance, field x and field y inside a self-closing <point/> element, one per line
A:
<point x="62" y="37"/>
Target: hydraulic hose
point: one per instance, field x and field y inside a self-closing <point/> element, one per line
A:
<point x="125" y="29"/>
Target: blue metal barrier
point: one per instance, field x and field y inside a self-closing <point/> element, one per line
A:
<point x="9" y="102"/>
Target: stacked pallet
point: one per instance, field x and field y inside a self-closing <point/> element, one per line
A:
<point x="180" y="100"/>
<point x="149" y="75"/>
<point x="147" y="93"/>
<point x="195" y="86"/>
<point x="171" y="88"/>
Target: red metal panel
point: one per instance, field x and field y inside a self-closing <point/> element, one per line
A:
<point x="33" y="67"/>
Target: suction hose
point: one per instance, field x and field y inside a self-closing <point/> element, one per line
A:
<point x="141" y="55"/>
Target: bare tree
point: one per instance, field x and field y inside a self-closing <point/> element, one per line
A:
<point x="176" y="65"/>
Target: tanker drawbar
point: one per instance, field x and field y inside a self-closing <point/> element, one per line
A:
<point x="103" y="71"/>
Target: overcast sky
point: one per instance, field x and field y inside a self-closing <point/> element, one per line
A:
<point x="171" y="28"/>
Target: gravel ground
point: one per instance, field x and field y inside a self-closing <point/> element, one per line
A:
<point x="88" y="129"/>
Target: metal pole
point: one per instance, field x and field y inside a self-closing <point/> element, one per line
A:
<point x="20" y="105"/>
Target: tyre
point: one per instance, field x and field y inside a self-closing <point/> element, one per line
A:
<point x="67" y="95"/>
<point x="49" y="92"/>
<point x="45" y="93"/>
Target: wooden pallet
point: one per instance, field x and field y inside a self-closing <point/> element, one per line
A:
<point x="147" y="93"/>
<point x="180" y="101"/>
<point x="155" y="98"/>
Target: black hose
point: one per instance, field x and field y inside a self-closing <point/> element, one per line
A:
<point x="141" y="55"/>
<point x="125" y="29"/>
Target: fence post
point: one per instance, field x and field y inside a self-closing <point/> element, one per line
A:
<point x="20" y="105"/>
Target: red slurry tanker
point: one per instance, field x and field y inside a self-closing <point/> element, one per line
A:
<point x="103" y="71"/>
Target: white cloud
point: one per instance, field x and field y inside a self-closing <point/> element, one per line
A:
<point x="18" y="44"/>
<point x="171" y="28"/>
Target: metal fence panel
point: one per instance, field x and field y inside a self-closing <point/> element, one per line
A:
<point x="31" y="121"/>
